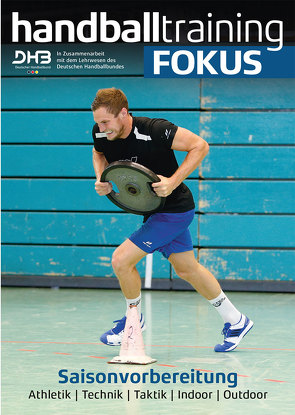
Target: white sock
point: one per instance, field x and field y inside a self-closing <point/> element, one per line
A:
<point x="134" y="301"/>
<point x="226" y="309"/>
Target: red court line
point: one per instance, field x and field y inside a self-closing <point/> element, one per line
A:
<point x="97" y="357"/>
<point x="150" y="345"/>
<point x="26" y="350"/>
<point x="166" y="365"/>
<point x="274" y="380"/>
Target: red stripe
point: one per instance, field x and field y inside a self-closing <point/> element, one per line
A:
<point x="274" y="380"/>
<point x="97" y="357"/>
<point x="167" y="365"/>
<point x="63" y="353"/>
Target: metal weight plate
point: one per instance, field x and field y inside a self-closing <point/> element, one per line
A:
<point x="135" y="193"/>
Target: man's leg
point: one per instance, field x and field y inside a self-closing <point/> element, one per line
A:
<point x="236" y="324"/>
<point x="159" y="230"/>
<point x="187" y="267"/>
<point x="124" y="261"/>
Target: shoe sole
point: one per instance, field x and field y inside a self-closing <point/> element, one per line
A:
<point x="241" y="336"/>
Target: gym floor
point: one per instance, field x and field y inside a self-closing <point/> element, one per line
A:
<point x="48" y="330"/>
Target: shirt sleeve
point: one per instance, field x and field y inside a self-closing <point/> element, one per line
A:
<point x="97" y="139"/>
<point x="163" y="131"/>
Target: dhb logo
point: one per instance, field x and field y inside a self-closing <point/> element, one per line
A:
<point x="40" y="56"/>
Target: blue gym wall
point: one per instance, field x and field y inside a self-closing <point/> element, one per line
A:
<point x="55" y="228"/>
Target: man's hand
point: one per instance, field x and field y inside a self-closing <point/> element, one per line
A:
<point x="103" y="188"/>
<point x="165" y="187"/>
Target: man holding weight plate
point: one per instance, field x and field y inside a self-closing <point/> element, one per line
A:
<point x="150" y="142"/>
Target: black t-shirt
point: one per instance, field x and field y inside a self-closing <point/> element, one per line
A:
<point x="149" y="143"/>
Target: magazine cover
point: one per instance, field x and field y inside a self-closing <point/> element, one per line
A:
<point x="148" y="207"/>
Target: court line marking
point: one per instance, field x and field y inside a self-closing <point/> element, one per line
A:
<point x="159" y="364"/>
<point x="69" y="354"/>
<point x="98" y="357"/>
<point x="274" y="380"/>
<point x="150" y="345"/>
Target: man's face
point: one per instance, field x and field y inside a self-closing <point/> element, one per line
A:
<point x="112" y="126"/>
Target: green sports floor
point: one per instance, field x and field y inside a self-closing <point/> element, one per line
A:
<point x="45" y="331"/>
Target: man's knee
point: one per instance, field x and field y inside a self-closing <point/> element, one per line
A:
<point x="185" y="273"/>
<point x="122" y="262"/>
<point x="119" y="261"/>
<point x="186" y="270"/>
<point x="125" y="257"/>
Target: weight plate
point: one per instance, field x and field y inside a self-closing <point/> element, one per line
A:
<point x="135" y="193"/>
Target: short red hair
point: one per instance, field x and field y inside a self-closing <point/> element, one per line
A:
<point x="112" y="99"/>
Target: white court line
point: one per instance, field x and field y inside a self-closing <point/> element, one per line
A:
<point x="148" y="271"/>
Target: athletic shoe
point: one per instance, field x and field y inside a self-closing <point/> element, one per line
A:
<point x="114" y="336"/>
<point x="234" y="334"/>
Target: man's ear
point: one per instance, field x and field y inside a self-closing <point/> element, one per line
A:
<point x="123" y="112"/>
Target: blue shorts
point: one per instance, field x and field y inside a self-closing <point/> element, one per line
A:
<point x="165" y="232"/>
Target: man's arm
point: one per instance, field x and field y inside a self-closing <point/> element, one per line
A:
<point x="99" y="164"/>
<point x="197" y="149"/>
